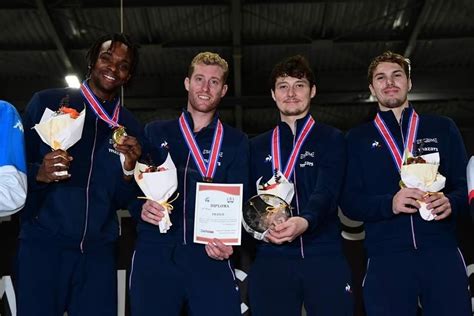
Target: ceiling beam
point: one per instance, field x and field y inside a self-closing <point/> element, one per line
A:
<point x="420" y="21"/>
<point x="104" y="4"/>
<point x="236" y="20"/>
<point x="271" y="43"/>
<point x="52" y="31"/>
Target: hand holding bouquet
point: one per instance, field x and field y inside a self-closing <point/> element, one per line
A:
<point x="422" y="173"/>
<point x="158" y="183"/>
<point x="61" y="129"/>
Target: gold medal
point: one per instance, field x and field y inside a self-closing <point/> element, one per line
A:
<point x="118" y="133"/>
<point x="207" y="179"/>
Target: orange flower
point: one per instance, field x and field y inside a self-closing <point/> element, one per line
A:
<point x="72" y="112"/>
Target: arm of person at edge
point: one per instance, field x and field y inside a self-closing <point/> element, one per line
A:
<point x="454" y="199"/>
<point x="237" y="172"/>
<point x="359" y="205"/>
<point x="324" y="198"/>
<point x="470" y="184"/>
<point x="13" y="184"/>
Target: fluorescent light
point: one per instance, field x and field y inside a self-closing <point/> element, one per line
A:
<point x="73" y="81"/>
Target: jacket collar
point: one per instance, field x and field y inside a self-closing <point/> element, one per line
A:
<point x="299" y="124"/>
<point x="391" y="121"/>
<point x="190" y="121"/>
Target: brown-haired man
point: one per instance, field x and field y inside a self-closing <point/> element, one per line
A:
<point x="302" y="262"/>
<point x="410" y="259"/>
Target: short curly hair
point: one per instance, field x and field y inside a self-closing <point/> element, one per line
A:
<point x="389" y="57"/>
<point x="295" y="66"/>
<point x="209" y="58"/>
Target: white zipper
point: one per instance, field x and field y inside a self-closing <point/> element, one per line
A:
<point x="87" y="189"/>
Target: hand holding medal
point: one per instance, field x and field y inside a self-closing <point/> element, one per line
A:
<point x="128" y="147"/>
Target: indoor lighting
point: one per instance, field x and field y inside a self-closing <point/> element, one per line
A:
<point x="73" y="81"/>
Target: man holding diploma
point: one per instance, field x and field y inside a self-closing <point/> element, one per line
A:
<point x="169" y="269"/>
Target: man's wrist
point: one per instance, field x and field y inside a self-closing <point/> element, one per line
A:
<point x="127" y="172"/>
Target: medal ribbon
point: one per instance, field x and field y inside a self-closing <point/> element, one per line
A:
<point x="207" y="171"/>
<point x="98" y="109"/>
<point x="409" y="141"/>
<point x="290" y="166"/>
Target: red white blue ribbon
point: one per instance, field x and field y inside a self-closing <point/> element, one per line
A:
<point x="276" y="156"/>
<point x="207" y="171"/>
<point x="98" y="109"/>
<point x="408" y="141"/>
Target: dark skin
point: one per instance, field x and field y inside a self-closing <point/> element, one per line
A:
<point x="110" y="72"/>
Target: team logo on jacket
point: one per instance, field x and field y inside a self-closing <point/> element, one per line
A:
<point x="348" y="288"/>
<point x="268" y="158"/>
<point x="306" y="159"/>
<point x="18" y="125"/>
<point x="426" y="146"/>
<point x="375" y="144"/>
<point x="208" y="153"/>
<point x="164" y="144"/>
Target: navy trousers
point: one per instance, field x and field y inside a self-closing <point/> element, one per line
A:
<point x="436" y="279"/>
<point x="279" y="286"/>
<point x="164" y="279"/>
<point x="52" y="279"/>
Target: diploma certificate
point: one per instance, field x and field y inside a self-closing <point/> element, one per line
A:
<point x="218" y="213"/>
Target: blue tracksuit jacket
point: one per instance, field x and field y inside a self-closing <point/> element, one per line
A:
<point x="318" y="178"/>
<point x="372" y="180"/>
<point x="79" y="211"/>
<point x="232" y="168"/>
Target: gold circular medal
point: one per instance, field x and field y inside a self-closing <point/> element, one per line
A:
<point x="118" y="133"/>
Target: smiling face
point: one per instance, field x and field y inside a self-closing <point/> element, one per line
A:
<point x="205" y="88"/>
<point x="293" y="96"/>
<point x="111" y="70"/>
<point x="390" y="85"/>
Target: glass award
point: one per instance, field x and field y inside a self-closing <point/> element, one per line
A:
<point x="262" y="212"/>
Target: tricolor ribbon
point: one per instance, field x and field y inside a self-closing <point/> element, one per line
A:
<point x="207" y="171"/>
<point x="408" y="141"/>
<point x="98" y="109"/>
<point x="290" y="165"/>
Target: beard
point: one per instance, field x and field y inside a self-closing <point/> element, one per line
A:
<point x="393" y="103"/>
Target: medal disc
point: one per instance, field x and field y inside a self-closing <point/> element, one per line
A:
<point x="118" y="133"/>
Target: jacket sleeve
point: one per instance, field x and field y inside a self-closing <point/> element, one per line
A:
<point x="13" y="184"/>
<point x="324" y="197"/>
<point x="356" y="203"/>
<point x="470" y="183"/>
<point x="32" y="116"/>
<point x="456" y="183"/>
<point x="157" y="156"/>
<point x="127" y="191"/>
<point x="238" y="171"/>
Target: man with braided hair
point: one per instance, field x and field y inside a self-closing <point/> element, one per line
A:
<point x="69" y="227"/>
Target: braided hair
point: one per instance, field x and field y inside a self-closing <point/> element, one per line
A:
<point x="94" y="50"/>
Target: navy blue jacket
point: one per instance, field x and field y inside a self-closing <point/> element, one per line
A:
<point x="373" y="179"/>
<point x="232" y="167"/>
<point x="318" y="178"/>
<point x="82" y="209"/>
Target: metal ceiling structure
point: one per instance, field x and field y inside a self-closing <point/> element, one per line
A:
<point x="42" y="41"/>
